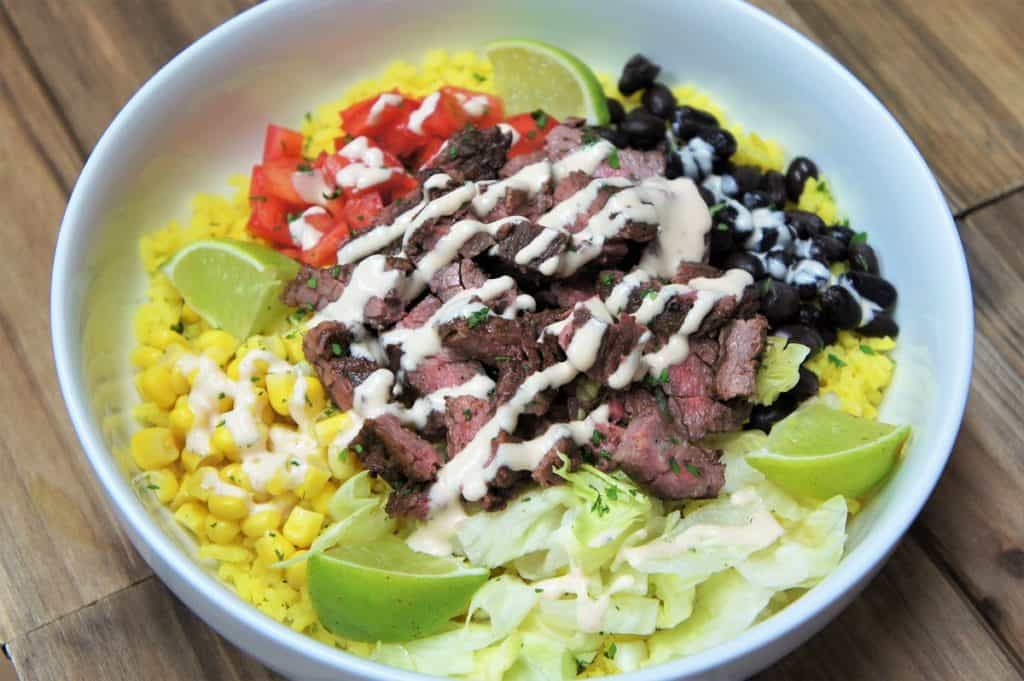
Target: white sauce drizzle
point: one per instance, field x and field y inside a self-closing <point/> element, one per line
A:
<point x="423" y="112"/>
<point x="305" y="235"/>
<point x="311" y="187"/>
<point x="385" y="100"/>
<point x="586" y="159"/>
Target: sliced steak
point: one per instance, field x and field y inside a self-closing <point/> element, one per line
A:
<point x="563" y="139"/>
<point x="455" y="278"/>
<point x="694" y="270"/>
<point x="627" y="405"/>
<point x="410" y="501"/>
<point x="617" y="341"/>
<point x="742" y="342"/>
<point x="326" y="347"/>
<point x="553" y="242"/>
<point x="470" y="155"/>
<point x="315" y="288"/>
<point x="544" y="474"/>
<point x="398" y="455"/>
<point x="418" y="315"/>
<point x="694" y="376"/>
<point x="701" y="416"/>
<point x="443" y="370"/>
<point x="634" y="164"/>
<point x="654" y="453"/>
<point x="517" y="163"/>
<point x="672" y="316"/>
<point x="565" y="293"/>
<point x="498" y="342"/>
<point x="464" y="416"/>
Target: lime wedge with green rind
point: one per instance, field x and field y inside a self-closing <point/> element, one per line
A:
<point x="530" y="75"/>
<point x="385" y="591"/>
<point x="819" y="452"/>
<point x="233" y="285"/>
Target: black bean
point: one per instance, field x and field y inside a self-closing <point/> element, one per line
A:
<point x="841" y="232"/>
<point x="763" y="418"/>
<point x="839" y="308"/>
<point x="704" y="192"/>
<point x="747" y="262"/>
<point x="687" y="121"/>
<point x="806" y="224"/>
<point x="643" y="129"/>
<point x="881" y="325"/>
<point x="832" y="249"/>
<point x="862" y="258"/>
<point x="874" y="288"/>
<point x="747" y="178"/>
<point x="777" y="261"/>
<point x="773" y="183"/>
<point x="800" y="168"/>
<point x="722" y="140"/>
<point x="780" y="303"/>
<point x="638" y="73"/>
<point x="660" y="101"/>
<point x="720" y="241"/>
<point x="802" y="334"/>
<point x="615" y="110"/>
<point x="806" y="386"/>
<point x="756" y="199"/>
<point x="615" y="136"/>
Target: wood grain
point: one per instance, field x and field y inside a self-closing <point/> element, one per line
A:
<point x="61" y="549"/>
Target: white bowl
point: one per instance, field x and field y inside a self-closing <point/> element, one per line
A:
<point x="202" y="118"/>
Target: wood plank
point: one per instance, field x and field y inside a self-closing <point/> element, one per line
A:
<point x="61" y="549"/>
<point x="975" y="521"/>
<point x="910" y="623"/>
<point x="136" y="633"/>
<point x="950" y="72"/>
<point x="107" y="49"/>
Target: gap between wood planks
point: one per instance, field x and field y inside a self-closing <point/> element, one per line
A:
<point x="918" y="532"/>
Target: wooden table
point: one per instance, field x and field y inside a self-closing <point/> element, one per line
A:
<point x="76" y="601"/>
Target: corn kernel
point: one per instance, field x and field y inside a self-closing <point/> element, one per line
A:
<point x="323" y="500"/>
<point x="188" y="315"/>
<point x="221" y="531"/>
<point x="192" y="460"/>
<point x="302" y="526"/>
<point x="217" y="345"/>
<point x="153" y="448"/>
<point x="163" y="338"/>
<point x="150" y="414"/>
<point x="179" y="382"/>
<point x="280" y="387"/>
<point x="223" y="442"/>
<point x="225" y="554"/>
<point x="228" y="507"/>
<point x="261" y="522"/>
<point x="156" y="384"/>
<point x="195" y="484"/>
<point x="273" y="548"/>
<point x="193" y="516"/>
<point x="315" y="398"/>
<point x="293" y="346"/>
<point x="145" y="356"/>
<point x="236" y="475"/>
<point x="295" y="574"/>
<point x="181" y="418"/>
<point x="313" y="484"/>
<point x="163" y="483"/>
<point x="343" y="464"/>
<point x="328" y="428"/>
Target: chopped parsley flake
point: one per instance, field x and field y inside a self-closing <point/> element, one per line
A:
<point x="612" y="492"/>
<point x="358" y="448"/>
<point x="722" y="227"/>
<point x="610" y="651"/>
<point x="600" y="507"/>
<point x="717" y="207"/>
<point x="540" y="118"/>
<point x="333" y="195"/>
<point x="589" y="138"/>
<point x="663" y="376"/>
<point x="343" y="455"/>
<point x="598" y="437"/>
<point x="673" y="464"/>
<point x="336" y="349"/>
<point x="675" y="440"/>
<point x="304" y="167"/>
<point x="694" y="471"/>
<point x="277" y="552"/>
<point x="604" y="454"/>
<point x="531" y="134"/>
<point x="607" y="279"/>
<point x="650" y="293"/>
<point x="859" y="238"/>
<point x="613" y="159"/>
<point x="478" y="317"/>
<point x="835" y="361"/>
<point x="867" y="350"/>
<point x="502" y="358"/>
<point x="152" y="486"/>
<point x="467" y="414"/>
<point x="178" y="328"/>
<point x="335" y="271"/>
<point x="311" y="282"/>
<point x="453" y="152"/>
<point x="294" y="462"/>
<point x="221" y="396"/>
<point x="479" y="77"/>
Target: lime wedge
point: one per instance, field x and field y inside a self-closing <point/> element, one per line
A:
<point x="385" y="591"/>
<point x="820" y="452"/>
<point x="233" y="285"/>
<point x="529" y="75"/>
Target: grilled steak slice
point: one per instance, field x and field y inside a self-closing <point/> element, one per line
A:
<point x="419" y="314"/>
<point x="523" y="234"/>
<point x="693" y="270"/>
<point x="627" y="405"/>
<point x="455" y="278"/>
<point x="635" y="165"/>
<point x="700" y="416"/>
<point x="694" y="376"/>
<point x="471" y="155"/>
<point x="443" y="370"/>
<point x="517" y="163"/>
<point x="326" y="347"/>
<point x="654" y="453"/>
<point x="315" y="287"/>
<point x="410" y="501"/>
<point x="398" y="455"/>
<point x="464" y="416"/>
<point x="544" y="474"/>
<point x="742" y="342"/>
<point x="618" y="340"/>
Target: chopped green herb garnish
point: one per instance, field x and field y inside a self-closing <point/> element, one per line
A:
<point x="479" y="77"/>
<point x="597" y="437"/>
<point x="311" y="282"/>
<point x="531" y="134"/>
<point x="308" y="116"/>
<point x="294" y="462"/>
<point x="673" y="464"/>
<point x="254" y="379"/>
<point x="152" y="486"/>
<point x="867" y="350"/>
<point x="304" y="167"/>
<point x="453" y="152"/>
<point x="538" y="590"/>
<point x="467" y="414"/>
<point x="277" y="552"/>
<point x="333" y="195"/>
<point x="336" y="349"/>
<point x="859" y="238"/>
<point x="221" y="396"/>
<point x="835" y="360"/>
<point x="651" y="293"/>
<point x="663" y="376"/>
<point x="540" y="118"/>
<point x="694" y="471"/>
<point x="613" y="159"/>
<point x="607" y="279"/>
<point x="478" y="317"/>
<point x="257" y="197"/>
<point x="610" y="651"/>
<point x="612" y="491"/>
<point x="343" y="455"/>
<point x="722" y="227"/>
<point x="335" y="271"/>
<point x="589" y="138"/>
<point x="502" y="358"/>
<point x="599" y="506"/>
<point x="604" y="454"/>
<point x="178" y="328"/>
<point x="717" y="207"/>
<point x="675" y="440"/>
<point x="358" y="448"/>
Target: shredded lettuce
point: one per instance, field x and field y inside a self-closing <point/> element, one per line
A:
<point x="779" y="370"/>
<point x="525" y="526"/>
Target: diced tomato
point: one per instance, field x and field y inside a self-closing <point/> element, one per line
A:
<point x="398" y="184"/>
<point x="281" y="143"/>
<point x="357" y="118"/>
<point x="400" y="141"/>
<point x="360" y="211"/>
<point x="269" y="216"/>
<point x="293" y="253"/>
<point x="326" y="251"/>
<point x="278" y="175"/>
<point x="532" y="128"/>
<point x="481" y="109"/>
<point x="447" y="116"/>
<point x="323" y="222"/>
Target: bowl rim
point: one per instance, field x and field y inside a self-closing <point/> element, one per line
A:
<point x="817" y="605"/>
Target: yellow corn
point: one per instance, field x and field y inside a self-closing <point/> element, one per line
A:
<point x="279" y="388"/>
<point x="273" y="548"/>
<point x="302" y="526"/>
<point x="225" y="554"/>
<point x="314" y="483"/>
<point x="163" y="483"/>
<point x="181" y="418"/>
<point x="221" y="531"/>
<point x="328" y="428"/>
<point x="223" y="442"/>
<point x="153" y="448"/>
<point x="293" y="346"/>
<point x="343" y="464"/>
<point x="262" y="522"/>
<point x="157" y="384"/>
<point x="192" y="460"/>
<point x="149" y="414"/>
<point x="322" y="500"/>
<point x="279" y="483"/>
<point x="228" y="507"/>
<point x="188" y="315"/>
<point x="162" y="338"/>
<point x="192" y="515"/>
<point x="295" y="574"/>
<point x="316" y="400"/>
<point x="217" y="345"/>
<point x="236" y="475"/>
<point x="145" y="356"/>
<point x="225" y="402"/>
<point x="194" y="483"/>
